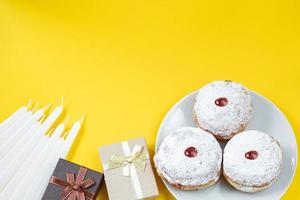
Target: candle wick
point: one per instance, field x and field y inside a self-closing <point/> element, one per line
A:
<point x="65" y="134"/>
<point x="35" y="107"/>
<point x="50" y="131"/>
<point x="47" y="107"/>
<point x="29" y="105"/>
<point x="82" y="119"/>
<point x="42" y="119"/>
<point x="62" y="100"/>
<point x="67" y="119"/>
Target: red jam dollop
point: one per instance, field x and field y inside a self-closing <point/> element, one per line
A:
<point x="191" y="152"/>
<point x="221" y="101"/>
<point x="251" y="155"/>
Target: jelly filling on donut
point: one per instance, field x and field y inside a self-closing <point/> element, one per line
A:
<point x="251" y="155"/>
<point x="191" y="152"/>
<point x="221" y="101"/>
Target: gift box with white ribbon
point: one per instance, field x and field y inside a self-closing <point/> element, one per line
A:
<point x="127" y="170"/>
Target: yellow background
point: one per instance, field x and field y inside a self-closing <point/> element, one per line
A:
<point x="125" y="63"/>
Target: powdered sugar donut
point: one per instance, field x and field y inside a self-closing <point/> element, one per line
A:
<point x="189" y="159"/>
<point x="252" y="161"/>
<point x="223" y="108"/>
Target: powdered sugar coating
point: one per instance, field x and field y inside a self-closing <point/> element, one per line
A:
<point x="223" y="121"/>
<point x="177" y="168"/>
<point x="252" y="173"/>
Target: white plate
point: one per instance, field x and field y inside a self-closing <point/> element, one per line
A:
<point x="266" y="117"/>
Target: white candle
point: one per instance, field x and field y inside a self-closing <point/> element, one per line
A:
<point x="22" y="132"/>
<point x="33" y="166"/>
<point x="13" y="117"/>
<point x="15" y="124"/>
<point x="72" y="136"/>
<point x="27" y="125"/>
<point x="37" y="129"/>
<point x="51" y="119"/>
<point x="47" y="167"/>
<point x="14" y="158"/>
<point x="7" y="122"/>
<point x="19" y="121"/>
<point x="36" y="192"/>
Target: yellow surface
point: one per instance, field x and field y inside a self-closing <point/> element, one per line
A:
<point x="125" y="63"/>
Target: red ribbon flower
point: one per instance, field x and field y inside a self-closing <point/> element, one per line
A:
<point x="75" y="188"/>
